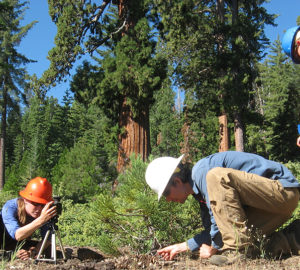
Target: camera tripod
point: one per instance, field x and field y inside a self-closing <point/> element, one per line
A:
<point x="54" y="232"/>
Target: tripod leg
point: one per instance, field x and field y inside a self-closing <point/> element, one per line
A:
<point x="61" y="246"/>
<point x="53" y="247"/>
<point x="43" y="245"/>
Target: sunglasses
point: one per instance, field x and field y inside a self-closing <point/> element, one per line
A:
<point x="36" y="204"/>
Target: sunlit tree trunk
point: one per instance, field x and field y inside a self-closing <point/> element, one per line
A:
<point x="223" y="133"/>
<point x="223" y="130"/>
<point x="135" y="130"/>
<point x="3" y="135"/>
<point x="134" y="137"/>
<point x="238" y="128"/>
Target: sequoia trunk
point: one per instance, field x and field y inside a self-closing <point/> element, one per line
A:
<point x="135" y="135"/>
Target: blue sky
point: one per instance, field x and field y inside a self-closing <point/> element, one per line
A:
<point x="40" y="39"/>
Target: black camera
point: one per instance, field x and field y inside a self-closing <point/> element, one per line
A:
<point x="58" y="205"/>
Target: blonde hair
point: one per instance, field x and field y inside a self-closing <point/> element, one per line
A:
<point x="21" y="212"/>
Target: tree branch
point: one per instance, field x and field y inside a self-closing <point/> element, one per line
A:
<point x="101" y="10"/>
<point x="96" y="45"/>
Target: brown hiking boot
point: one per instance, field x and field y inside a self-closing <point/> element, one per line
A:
<point x="292" y="233"/>
<point x="227" y="258"/>
<point x="233" y="256"/>
<point x="285" y="242"/>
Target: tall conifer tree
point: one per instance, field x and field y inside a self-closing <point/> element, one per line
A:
<point x="279" y="103"/>
<point x="132" y="73"/>
<point x="12" y="72"/>
<point x="214" y="46"/>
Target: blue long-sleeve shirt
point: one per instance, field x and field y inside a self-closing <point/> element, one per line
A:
<point x="10" y="218"/>
<point x="242" y="161"/>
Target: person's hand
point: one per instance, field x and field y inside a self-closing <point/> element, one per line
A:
<point x="168" y="253"/>
<point x="298" y="141"/>
<point x="33" y="252"/>
<point x="26" y="254"/>
<point x="207" y="251"/>
<point x="47" y="213"/>
<point x="23" y="254"/>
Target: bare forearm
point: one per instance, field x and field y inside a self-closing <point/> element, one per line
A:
<point x="27" y="230"/>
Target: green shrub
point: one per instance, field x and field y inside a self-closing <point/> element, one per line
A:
<point x="77" y="175"/>
<point x="5" y="196"/>
<point x="294" y="167"/>
<point x="129" y="218"/>
<point x="133" y="218"/>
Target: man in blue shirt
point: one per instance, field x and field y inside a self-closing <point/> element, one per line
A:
<point x="236" y="191"/>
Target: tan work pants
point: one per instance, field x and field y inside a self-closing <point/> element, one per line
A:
<point x="239" y="200"/>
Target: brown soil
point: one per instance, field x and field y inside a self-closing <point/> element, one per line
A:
<point x="86" y="258"/>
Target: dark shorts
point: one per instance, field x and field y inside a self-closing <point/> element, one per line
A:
<point x="8" y="243"/>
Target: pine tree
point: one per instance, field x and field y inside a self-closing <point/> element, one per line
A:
<point x="12" y="74"/>
<point x="42" y="138"/>
<point x="214" y="46"/>
<point x="133" y="73"/>
<point x="165" y="123"/>
<point x="88" y="166"/>
<point x="279" y="95"/>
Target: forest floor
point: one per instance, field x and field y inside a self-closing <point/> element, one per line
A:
<point x="86" y="258"/>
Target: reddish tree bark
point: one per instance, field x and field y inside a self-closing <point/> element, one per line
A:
<point x="223" y="132"/>
<point x="135" y="137"/>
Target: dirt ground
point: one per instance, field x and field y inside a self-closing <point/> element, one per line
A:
<point x="86" y="258"/>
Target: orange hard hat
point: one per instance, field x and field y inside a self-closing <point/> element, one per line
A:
<point x="38" y="190"/>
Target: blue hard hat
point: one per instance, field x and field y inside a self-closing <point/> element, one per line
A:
<point x="288" y="41"/>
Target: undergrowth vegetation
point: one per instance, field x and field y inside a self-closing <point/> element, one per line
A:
<point x="130" y="219"/>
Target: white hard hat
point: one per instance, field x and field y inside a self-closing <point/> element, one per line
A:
<point x="159" y="172"/>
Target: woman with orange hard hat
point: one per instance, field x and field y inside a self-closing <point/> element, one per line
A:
<point x="21" y="217"/>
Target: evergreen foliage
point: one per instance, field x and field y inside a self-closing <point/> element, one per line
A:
<point x="165" y="123"/>
<point x="147" y="49"/>
<point x="90" y="163"/>
<point x="77" y="173"/>
<point x="131" y="217"/>
<point x="214" y="55"/>
<point x="278" y="95"/>
<point x="13" y="75"/>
